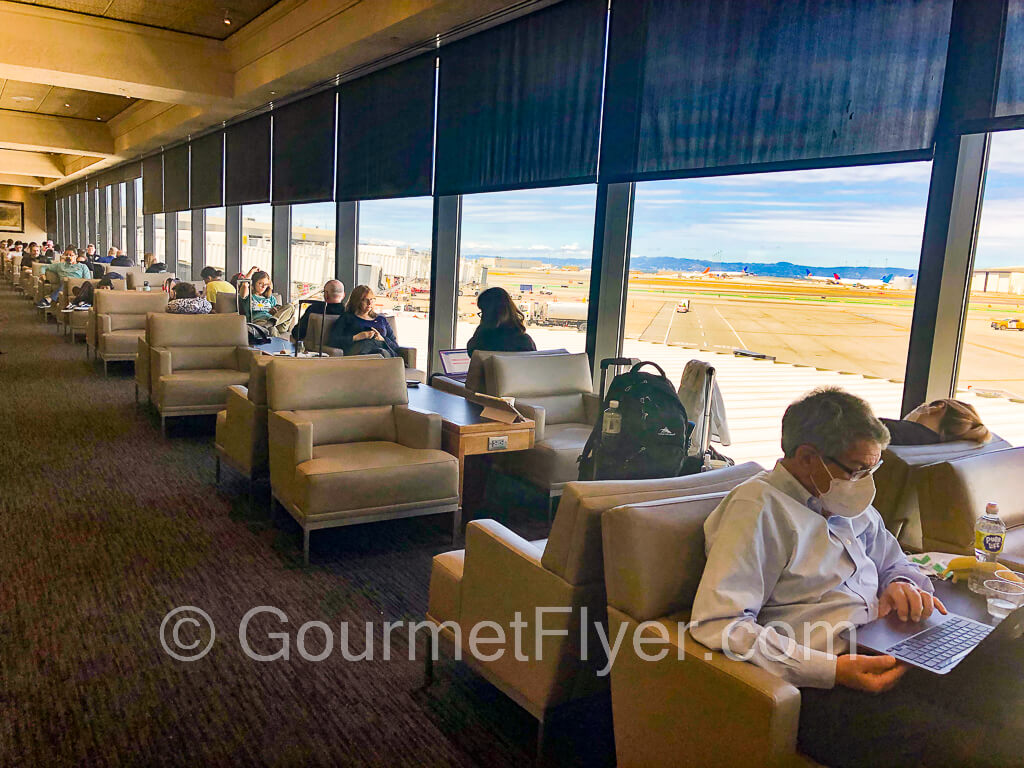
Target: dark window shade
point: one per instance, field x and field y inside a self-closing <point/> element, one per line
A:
<point x="386" y="144"/>
<point x="303" y="157"/>
<point x="519" y="105"/>
<point x="152" y="184"/>
<point x="247" y="162"/>
<point x="713" y="84"/>
<point x="1011" y="74"/>
<point x="176" y="179"/>
<point x="206" y="178"/>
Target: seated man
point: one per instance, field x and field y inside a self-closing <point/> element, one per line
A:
<point x="333" y="304"/>
<point x="55" y="274"/>
<point x="797" y="555"/>
<point x="215" y="283"/>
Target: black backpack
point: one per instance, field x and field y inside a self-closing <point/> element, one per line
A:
<point x="655" y="435"/>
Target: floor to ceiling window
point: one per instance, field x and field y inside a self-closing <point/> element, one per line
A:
<point x="160" y="237"/>
<point x="992" y="356"/>
<point x="184" y="269"/>
<point x="123" y="215"/>
<point x="216" y="245"/>
<point x="812" y="269"/>
<point x="535" y="244"/>
<point x="257" y="228"/>
<point x="111" y="216"/>
<point x="139" y="220"/>
<point x="312" y="246"/>
<point x="394" y="260"/>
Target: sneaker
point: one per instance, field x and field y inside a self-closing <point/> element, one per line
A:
<point x="44" y="304"/>
<point x="68" y="309"/>
<point x="83" y="307"/>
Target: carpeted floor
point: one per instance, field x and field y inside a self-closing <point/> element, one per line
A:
<point x="105" y="527"/>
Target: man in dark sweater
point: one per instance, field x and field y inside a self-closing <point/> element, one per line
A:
<point x="333" y="304"/>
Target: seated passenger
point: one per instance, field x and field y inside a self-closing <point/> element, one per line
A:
<point x="361" y="331"/>
<point x="796" y="556"/>
<point x="940" y="421"/>
<point x="262" y="306"/>
<point x="56" y="273"/>
<point x="156" y="266"/>
<point x="187" y="302"/>
<point x="333" y="304"/>
<point x="82" y="297"/>
<point x="121" y="259"/>
<point x="215" y="283"/>
<point x="148" y="260"/>
<point x="502" y="327"/>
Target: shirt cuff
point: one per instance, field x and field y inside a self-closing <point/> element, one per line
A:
<point x="819" y="670"/>
<point x="919" y="580"/>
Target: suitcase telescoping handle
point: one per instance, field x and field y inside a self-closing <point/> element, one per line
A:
<point x="609" y="362"/>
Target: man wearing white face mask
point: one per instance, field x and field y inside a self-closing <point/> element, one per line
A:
<point x="801" y="548"/>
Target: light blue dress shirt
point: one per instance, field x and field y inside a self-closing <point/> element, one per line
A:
<point x="783" y="582"/>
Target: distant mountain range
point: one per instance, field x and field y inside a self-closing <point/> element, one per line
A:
<point x="756" y="269"/>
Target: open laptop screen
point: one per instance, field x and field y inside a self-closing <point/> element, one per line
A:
<point x="454" y="361"/>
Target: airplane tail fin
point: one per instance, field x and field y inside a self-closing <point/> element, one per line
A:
<point x="888" y="278"/>
<point x="706" y="270"/>
<point x="836" y="276"/>
<point x="808" y="274"/>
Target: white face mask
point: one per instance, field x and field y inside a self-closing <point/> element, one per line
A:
<point x="847" y="498"/>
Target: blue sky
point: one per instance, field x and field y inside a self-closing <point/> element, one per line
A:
<point x="863" y="216"/>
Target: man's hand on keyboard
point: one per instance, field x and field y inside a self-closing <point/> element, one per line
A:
<point x="909" y="602"/>
<point x="873" y="674"/>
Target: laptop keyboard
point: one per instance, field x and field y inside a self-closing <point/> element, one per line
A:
<point x="936" y="647"/>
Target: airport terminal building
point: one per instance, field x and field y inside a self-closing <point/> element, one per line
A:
<point x="218" y="495"/>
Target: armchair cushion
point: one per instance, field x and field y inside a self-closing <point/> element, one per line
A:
<point x="552" y="461"/>
<point x="197" y="388"/>
<point x="356" y="476"/>
<point x="123" y="341"/>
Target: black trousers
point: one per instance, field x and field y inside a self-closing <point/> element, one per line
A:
<point x="974" y="716"/>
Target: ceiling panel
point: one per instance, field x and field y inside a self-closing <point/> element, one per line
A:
<point x="194" y="17"/>
<point x="62" y="102"/>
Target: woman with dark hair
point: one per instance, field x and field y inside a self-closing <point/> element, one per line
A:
<point x="361" y="331"/>
<point x="187" y="301"/>
<point x="502" y="327"/>
<point x="940" y="421"/>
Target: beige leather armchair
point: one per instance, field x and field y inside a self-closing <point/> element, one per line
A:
<point x="118" y="319"/>
<point x="76" y="322"/>
<point x="953" y="494"/>
<point x="345" y="448"/>
<point x="499" y="574"/>
<point x="693" y="705"/>
<point x="312" y="343"/>
<point x="477" y="375"/>
<point x="138" y="277"/>
<point x="905" y="470"/>
<point x="193" y="359"/>
<point x="556" y="391"/>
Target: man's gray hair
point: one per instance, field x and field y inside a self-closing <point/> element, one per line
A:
<point x="334" y="288"/>
<point x="831" y="420"/>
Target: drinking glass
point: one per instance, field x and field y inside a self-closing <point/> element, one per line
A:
<point x="1003" y="597"/>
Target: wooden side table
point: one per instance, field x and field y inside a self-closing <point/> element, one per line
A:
<point x="464" y="432"/>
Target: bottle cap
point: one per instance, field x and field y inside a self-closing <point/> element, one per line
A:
<point x="992" y="509"/>
<point x="613" y="403"/>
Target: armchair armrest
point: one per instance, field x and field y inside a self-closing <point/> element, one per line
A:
<point x="290" y="444"/>
<point x="417" y="429"/>
<point x="332" y="351"/>
<point x="592" y="406"/>
<point x="736" y="713"/>
<point x="243" y="358"/>
<point x="160" y="362"/>
<point x="450" y="386"/>
<point x="408" y="354"/>
<point x="104" y="324"/>
<point x="535" y="412"/>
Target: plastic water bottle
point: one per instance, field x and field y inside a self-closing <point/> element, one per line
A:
<point x="146" y="286"/>
<point x="989" y="535"/>
<point x="611" y="426"/>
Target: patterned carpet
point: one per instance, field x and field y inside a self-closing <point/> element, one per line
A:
<point x="105" y="527"/>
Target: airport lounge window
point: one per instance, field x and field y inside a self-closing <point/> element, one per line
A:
<point x="216" y="246"/>
<point x="394" y="260"/>
<point x="992" y="357"/>
<point x="312" y="245"/>
<point x="159" y="237"/>
<point x="139" y="237"/>
<point x="257" y="227"/>
<point x="184" y="270"/>
<point x="111" y="217"/>
<point x="123" y="216"/>
<point x="535" y="244"/>
<point x="814" y="270"/>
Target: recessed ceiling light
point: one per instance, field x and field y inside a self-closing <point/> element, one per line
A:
<point x="227" y="18"/>
<point x="22" y="98"/>
<point x="273" y="93"/>
<point x="99" y="118"/>
<point x="67" y="105"/>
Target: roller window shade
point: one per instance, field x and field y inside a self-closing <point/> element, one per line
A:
<point x="247" y="162"/>
<point x="303" y="154"/>
<point x="206" y="161"/>
<point x="176" y="179"/>
<point x="1010" y="101"/>
<point x="716" y="84"/>
<point x="386" y="144"/>
<point x="152" y="184"/>
<point x="519" y="105"/>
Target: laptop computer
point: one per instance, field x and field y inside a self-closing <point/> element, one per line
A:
<point x="455" y="363"/>
<point x="937" y="644"/>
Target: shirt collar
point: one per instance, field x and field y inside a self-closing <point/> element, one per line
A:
<point x="783" y="480"/>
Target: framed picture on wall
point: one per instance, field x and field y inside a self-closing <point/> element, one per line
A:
<point x="12" y="216"/>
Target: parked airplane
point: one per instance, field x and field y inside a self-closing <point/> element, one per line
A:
<point x="708" y="273"/>
<point x="855" y="282"/>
